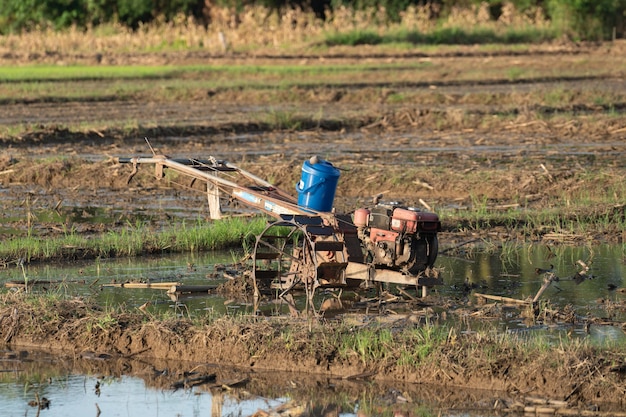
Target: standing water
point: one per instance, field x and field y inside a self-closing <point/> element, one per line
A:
<point x="96" y="386"/>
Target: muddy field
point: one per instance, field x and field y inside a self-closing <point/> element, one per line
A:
<point x="457" y="136"/>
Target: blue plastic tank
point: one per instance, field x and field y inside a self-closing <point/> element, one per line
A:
<point x="317" y="185"/>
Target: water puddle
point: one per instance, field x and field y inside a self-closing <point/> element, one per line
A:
<point x="594" y="300"/>
<point x="44" y="384"/>
<point x="511" y="275"/>
<point x="93" y="395"/>
<point x="92" y="279"/>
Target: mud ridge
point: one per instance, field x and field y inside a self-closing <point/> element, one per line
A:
<point x="575" y="373"/>
<point x="53" y="135"/>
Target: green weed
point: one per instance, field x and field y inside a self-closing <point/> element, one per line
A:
<point x="283" y="120"/>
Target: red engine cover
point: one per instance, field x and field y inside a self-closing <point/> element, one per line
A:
<point x="404" y="220"/>
<point x="410" y="221"/>
<point x="380" y="235"/>
<point x="428" y="222"/>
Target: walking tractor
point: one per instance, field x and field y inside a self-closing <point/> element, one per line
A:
<point x="307" y="246"/>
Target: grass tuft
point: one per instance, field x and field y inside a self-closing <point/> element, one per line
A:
<point x="136" y="239"/>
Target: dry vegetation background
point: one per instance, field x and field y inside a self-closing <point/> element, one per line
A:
<point x="255" y="30"/>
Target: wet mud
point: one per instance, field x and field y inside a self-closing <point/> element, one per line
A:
<point x="577" y="377"/>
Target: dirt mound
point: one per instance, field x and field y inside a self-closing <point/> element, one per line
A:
<point x="574" y="372"/>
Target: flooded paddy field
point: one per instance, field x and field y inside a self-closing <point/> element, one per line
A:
<point x="526" y="172"/>
<point x="595" y="306"/>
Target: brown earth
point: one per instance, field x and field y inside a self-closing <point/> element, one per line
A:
<point x="574" y="376"/>
<point x="524" y="164"/>
<point x="447" y="148"/>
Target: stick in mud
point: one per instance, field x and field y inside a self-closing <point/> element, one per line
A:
<point x="547" y="280"/>
<point x="501" y="298"/>
<point x="143" y="285"/>
<point x="177" y="289"/>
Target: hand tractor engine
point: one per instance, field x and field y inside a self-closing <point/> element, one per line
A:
<point x="397" y="237"/>
<point x="308" y="246"/>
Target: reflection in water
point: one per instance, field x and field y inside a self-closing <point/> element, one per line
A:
<point x="593" y="308"/>
<point x="514" y="274"/>
<point x="130" y="387"/>
<point x="87" y="278"/>
<point x="124" y="396"/>
<point x="124" y="387"/>
<point x="511" y="274"/>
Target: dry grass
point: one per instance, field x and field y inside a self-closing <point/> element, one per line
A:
<point x="254" y="28"/>
<point x="478" y="15"/>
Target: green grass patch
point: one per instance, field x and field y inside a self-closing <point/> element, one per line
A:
<point x="264" y="83"/>
<point x="441" y="36"/>
<point x="27" y="73"/>
<point x="283" y="120"/>
<point x="136" y="239"/>
<point x="78" y="72"/>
